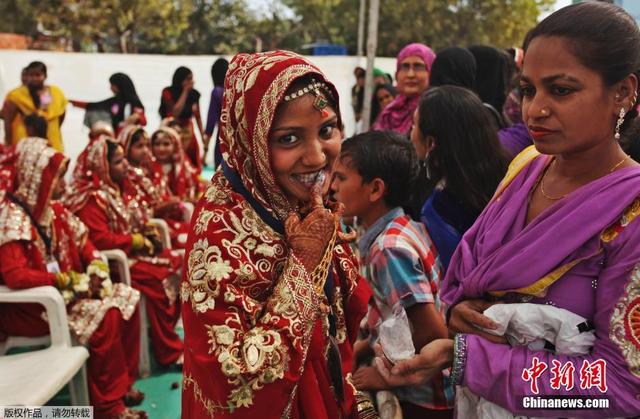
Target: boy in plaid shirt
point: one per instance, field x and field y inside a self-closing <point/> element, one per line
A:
<point x="373" y="178"/>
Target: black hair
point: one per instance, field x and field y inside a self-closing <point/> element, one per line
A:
<point x="137" y="135"/>
<point x="494" y="75"/>
<point x="37" y="65"/>
<point x="175" y="90"/>
<point x="454" y="66"/>
<point x="179" y="76"/>
<point x="219" y="71"/>
<point x="375" y="105"/>
<point x="112" y="146"/>
<point x="467" y="155"/>
<point x="602" y="36"/>
<point x="174" y="123"/>
<point x="126" y="89"/>
<point x="385" y="155"/>
<point x="37" y="123"/>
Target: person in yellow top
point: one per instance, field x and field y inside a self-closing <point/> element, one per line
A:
<point x="35" y="97"/>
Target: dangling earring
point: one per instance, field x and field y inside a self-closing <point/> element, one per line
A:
<point x="619" y="123"/>
<point x="425" y="164"/>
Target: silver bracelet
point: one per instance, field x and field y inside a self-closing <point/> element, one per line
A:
<point x="459" y="359"/>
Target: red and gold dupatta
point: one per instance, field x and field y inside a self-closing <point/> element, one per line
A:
<point x="256" y="337"/>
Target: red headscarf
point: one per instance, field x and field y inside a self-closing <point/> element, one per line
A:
<point x="257" y="343"/>
<point x="254" y="86"/>
<point x="37" y="167"/>
<point x="183" y="180"/>
<point x="8" y="158"/>
<point x="92" y="178"/>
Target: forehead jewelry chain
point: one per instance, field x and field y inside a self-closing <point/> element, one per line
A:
<point x="556" y="198"/>
<point x="314" y="88"/>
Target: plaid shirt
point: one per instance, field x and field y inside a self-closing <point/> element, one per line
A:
<point x="401" y="264"/>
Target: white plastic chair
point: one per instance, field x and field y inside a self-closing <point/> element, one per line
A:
<point x="33" y="378"/>
<point x="120" y="259"/>
<point x="187" y="211"/>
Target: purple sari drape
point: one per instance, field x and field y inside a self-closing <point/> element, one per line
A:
<point x="496" y="254"/>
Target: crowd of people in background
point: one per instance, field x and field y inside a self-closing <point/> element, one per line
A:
<point x="489" y="207"/>
<point x="125" y="181"/>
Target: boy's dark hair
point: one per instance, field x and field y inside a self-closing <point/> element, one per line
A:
<point x="387" y="156"/>
<point x="37" y="124"/>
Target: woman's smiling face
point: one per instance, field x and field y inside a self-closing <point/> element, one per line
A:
<point x="303" y="143"/>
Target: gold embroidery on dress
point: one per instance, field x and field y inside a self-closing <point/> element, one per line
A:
<point x="348" y="267"/>
<point x="202" y="222"/>
<point x="86" y="315"/>
<point x="14" y="224"/>
<point x="206" y="269"/>
<point x="211" y="406"/>
<point x="257" y="352"/>
<point x="216" y="193"/>
<point x="625" y="323"/>
<point x="630" y="214"/>
<point x="338" y="312"/>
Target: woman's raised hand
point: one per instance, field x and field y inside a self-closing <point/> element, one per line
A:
<point x="467" y="317"/>
<point x="310" y="236"/>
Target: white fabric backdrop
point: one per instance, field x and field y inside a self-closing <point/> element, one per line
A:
<point x="86" y="77"/>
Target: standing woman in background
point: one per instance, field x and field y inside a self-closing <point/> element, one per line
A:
<point x="124" y="108"/>
<point x="412" y="73"/>
<point x="35" y="97"/>
<point x="218" y="72"/>
<point x="181" y="101"/>
<point x="454" y="137"/>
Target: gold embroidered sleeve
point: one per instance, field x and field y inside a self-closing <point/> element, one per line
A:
<point x="249" y="310"/>
<point x="256" y="345"/>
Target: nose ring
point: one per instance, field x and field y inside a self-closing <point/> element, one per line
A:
<point x="544" y="111"/>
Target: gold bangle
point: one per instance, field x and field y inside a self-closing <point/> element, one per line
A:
<point x="137" y="241"/>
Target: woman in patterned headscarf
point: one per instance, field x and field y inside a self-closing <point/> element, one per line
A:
<point x="171" y="165"/>
<point x="272" y="303"/>
<point x="42" y="243"/>
<point x="413" y="69"/>
<point x="95" y="196"/>
<point x="146" y="189"/>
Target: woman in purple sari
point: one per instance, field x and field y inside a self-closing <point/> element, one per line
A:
<point x="562" y="229"/>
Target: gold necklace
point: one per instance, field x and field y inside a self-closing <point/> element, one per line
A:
<point x="556" y="198"/>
